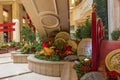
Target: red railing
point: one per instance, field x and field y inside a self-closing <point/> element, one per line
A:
<point x="9" y="27"/>
<point x="97" y="37"/>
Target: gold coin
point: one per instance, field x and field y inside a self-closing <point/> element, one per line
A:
<point x="63" y="35"/>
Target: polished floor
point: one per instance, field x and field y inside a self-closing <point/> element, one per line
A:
<point x="17" y="71"/>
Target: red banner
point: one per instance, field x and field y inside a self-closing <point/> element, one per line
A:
<point x="7" y="30"/>
<point x="7" y="24"/>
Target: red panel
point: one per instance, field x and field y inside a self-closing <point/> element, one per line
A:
<point x="6" y="30"/>
<point x="106" y="47"/>
<point x="7" y="24"/>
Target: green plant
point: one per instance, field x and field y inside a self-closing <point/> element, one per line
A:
<point x="84" y="31"/>
<point x="115" y="34"/>
<point x="28" y="34"/>
<point x="102" y="13"/>
<point x="83" y="66"/>
<point x="54" y="51"/>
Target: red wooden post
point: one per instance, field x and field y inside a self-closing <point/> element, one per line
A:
<point x="97" y="37"/>
<point x="94" y="42"/>
<point x="9" y="29"/>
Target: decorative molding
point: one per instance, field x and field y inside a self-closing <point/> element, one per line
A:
<point x="49" y="20"/>
<point x="55" y="6"/>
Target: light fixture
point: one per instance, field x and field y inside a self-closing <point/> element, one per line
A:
<point x="73" y="1"/>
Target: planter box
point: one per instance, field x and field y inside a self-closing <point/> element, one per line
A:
<point x="3" y="51"/>
<point x="61" y="69"/>
<point x="19" y="58"/>
<point x="49" y="68"/>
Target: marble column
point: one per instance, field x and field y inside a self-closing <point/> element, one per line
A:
<point x="113" y="16"/>
<point x="1" y="22"/>
<point x="16" y="19"/>
<point x="110" y="17"/>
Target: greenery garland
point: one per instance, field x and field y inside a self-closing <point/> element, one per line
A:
<point x="53" y="57"/>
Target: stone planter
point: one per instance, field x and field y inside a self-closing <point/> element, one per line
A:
<point x="19" y="58"/>
<point x="85" y="47"/>
<point x="49" y="68"/>
<point x="61" y="69"/>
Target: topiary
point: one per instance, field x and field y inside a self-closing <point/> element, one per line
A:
<point x="84" y="31"/>
<point x="115" y="34"/>
<point x="28" y="34"/>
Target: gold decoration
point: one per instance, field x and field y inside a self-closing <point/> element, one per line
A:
<point x="63" y="35"/>
<point x="94" y="6"/>
<point x="112" y="60"/>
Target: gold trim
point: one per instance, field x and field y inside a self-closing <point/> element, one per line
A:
<point x="94" y="6"/>
<point x="110" y="58"/>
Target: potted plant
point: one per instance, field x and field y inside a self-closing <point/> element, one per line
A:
<point x="84" y="33"/>
<point x="29" y="40"/>
<point x="115" y="34"/>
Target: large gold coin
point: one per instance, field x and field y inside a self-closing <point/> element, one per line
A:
<point x="112" y="60"/>
<point x="72" y="44"/>
<point x="63" y="35"/>
<point x="60" y="40"/>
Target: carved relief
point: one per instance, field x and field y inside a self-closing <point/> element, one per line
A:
<point x="113" y="60"/>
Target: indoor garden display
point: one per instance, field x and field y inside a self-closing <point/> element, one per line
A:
<point x="56" y="49"/>
<point x="29" y="40"/>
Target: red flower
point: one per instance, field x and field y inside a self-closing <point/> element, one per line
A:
<point x="68" y="48"/>
<point x="63" y="55"/>
<point x="113" y="74"/>
<point x="85" y="68"/>
<point x="33" y="49"/>
<point x="44" y="44"/>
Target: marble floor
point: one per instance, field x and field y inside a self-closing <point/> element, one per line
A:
<point x="17" y="71"/>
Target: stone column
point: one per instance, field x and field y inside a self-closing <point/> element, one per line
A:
<point x="116" y="14"/>
<point x="113" y="15"/>
<point x="110" y="17"/>
<point x="1" y="21"/>
<point x="16" y="19"/>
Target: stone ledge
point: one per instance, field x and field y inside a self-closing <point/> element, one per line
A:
<point x="61" y="69"/>
<point x="48" y="68"/>
<point x="19" y="58"/>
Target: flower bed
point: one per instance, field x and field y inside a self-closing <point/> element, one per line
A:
<point x="50" y="59"/>
<point x="55" y="50"/>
